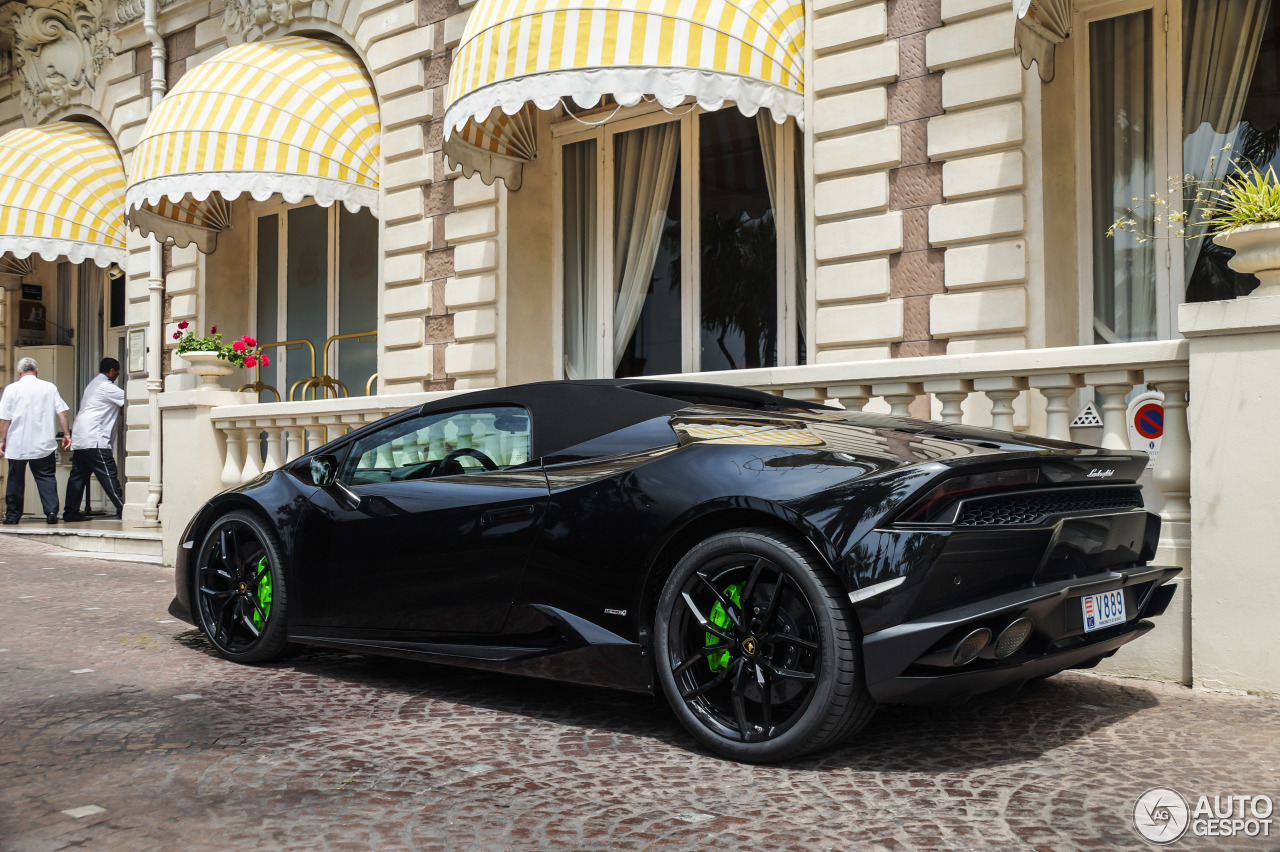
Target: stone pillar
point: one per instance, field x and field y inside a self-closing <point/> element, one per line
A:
<point x="192" y="457"/>
<point x="1234" y="408"/>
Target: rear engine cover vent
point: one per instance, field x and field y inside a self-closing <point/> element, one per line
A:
<point x="1021" y="509"/>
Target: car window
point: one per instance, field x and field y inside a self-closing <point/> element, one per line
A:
<point x="470" y="441"/>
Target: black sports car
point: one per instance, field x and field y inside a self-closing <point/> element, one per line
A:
<point x="774" y="568"/>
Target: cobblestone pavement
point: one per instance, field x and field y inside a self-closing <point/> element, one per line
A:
<point x="105" y="701"/>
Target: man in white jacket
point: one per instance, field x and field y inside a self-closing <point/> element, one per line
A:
<point x="91" y="453"/>
<point x="28" y="439"/>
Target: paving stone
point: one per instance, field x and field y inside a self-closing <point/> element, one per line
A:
<point x="333" y="750"/>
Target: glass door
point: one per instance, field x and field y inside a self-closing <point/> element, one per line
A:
<point x="1123" y="168"/>
<point x="317" y="277"/>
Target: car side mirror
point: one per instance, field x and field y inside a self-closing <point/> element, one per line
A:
<point x="324" y="471"/>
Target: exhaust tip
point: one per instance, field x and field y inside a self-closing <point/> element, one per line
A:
<point x="1012" y="637"/>
<point x="971" y="646"/>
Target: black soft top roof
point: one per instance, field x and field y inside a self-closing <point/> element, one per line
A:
<point x="567" y="413"/>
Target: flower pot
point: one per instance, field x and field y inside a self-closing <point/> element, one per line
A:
<point x="208" y="366"/>
<point x="1257" y="249"/>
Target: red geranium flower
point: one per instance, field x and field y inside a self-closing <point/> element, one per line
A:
<point x="250" y="361"/>
<point x="250" y="341"/>
<point x="213" y="329"/>
<point x="177" y="334"/>
<point x="238" y="346"/>
<point x="264" y="360"/>
<point x="183" y="324"/>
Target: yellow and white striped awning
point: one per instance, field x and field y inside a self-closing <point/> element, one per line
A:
<point x="295" y="117"/>
<point x="519" y="54"/>
<point x="61" y="194"/>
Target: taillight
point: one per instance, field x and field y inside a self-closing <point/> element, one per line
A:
<point x="948" y="491"/>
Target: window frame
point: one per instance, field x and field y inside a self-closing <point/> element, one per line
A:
<point x="280" y="208"/>
<point x="568" y="129"/>
<point x="1166" y="81"/>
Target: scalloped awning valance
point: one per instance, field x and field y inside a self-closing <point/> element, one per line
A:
<point x="295" y="117"/>
<point x="1042" y="25"/>
<point x="517" y="55"/>
<point x="61" y="194"/>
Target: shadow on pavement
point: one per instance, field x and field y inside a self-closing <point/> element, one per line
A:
<point x="989" y="730"/>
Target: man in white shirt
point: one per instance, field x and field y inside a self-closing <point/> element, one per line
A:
<point x="91" y="447"/>
<point x="28" y="439"/>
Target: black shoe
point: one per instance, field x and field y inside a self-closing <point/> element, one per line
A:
<point x="8" y="522"/>
<point x="72" y="517"/>
<point x="51" y="518"/>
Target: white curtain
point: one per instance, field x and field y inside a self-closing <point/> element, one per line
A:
<point x="1123" y="146"/>
<point x="765" y="125"/>
<point x="645" y="167"/>
<point x="581" y="329"/>
<point x="1221" y="41"/>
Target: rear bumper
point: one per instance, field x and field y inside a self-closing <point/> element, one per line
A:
<point x="1058" y="641"/>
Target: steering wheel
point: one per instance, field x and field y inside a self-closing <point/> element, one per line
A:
<point x="451" y="460"/>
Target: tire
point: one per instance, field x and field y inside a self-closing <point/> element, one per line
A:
<point x="239" y="589"/>
<point x="750" y="615"/>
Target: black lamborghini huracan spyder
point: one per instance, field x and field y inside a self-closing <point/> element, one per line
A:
<point x="776" y="569"/>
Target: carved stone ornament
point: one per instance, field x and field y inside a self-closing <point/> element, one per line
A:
<point x="59" y="50"/>
<point x="128" y="11"/>
<point x="241" y="16"/>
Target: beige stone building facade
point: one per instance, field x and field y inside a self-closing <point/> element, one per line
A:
<point x="897" y="203"/>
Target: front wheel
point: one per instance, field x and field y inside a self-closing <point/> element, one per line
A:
<point x="756" y="648"/>
<point x="240" y="591"/>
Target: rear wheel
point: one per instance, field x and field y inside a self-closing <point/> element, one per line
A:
<point x="756" y="648"/>
<point x="240" y="592"/>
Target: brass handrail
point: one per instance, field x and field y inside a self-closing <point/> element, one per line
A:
<point x="258" y="386"/>
<point x="323" y="384"/>
<point x="368" y="386"/>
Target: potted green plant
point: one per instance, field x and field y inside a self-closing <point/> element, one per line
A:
<point x="1245" y="217"/>
<point x="1240" y="212"/>
<point x="210" y="358"/>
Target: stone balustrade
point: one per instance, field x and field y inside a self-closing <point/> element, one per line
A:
<point x="292" y="429"/>
<point x="1046" y="378"/>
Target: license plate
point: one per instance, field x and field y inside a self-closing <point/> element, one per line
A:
<point x="1103" y="609"/>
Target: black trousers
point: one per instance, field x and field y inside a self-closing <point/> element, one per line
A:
<point x="95" y="461"/>
<point x="15" y="491"/>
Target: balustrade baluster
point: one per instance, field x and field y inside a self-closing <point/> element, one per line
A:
<point x="232" y="463"/>
<point x="1002" y="391"/>
<point x="1057" y="389"/>
<point x="951" y="393"/>
<point x="297" y="441"/>
<point x="1172" y="474"/>
<point x="899" y="395"/>
<point x="814" y="394"/>
<point x="1113" y="386"/>
<point x="252" y="453"/>
<point x="852" y="397"/>
<point x="315" y="436"/>
<point x="274" y="457"/>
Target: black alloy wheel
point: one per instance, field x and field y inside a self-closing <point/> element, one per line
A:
<point x="240" y="591"/>
<point x="757" y="650"/>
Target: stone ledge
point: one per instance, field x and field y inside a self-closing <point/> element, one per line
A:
<point x="1245" y="315"/>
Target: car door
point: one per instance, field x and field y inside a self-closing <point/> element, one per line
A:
<point x="428" y="527"/>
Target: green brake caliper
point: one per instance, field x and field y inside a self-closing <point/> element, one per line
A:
<point x="263" y="594"/>
<point x="720" y="618"/>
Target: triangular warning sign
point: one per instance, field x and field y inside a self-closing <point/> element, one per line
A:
<point x="1088" y="416"/>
